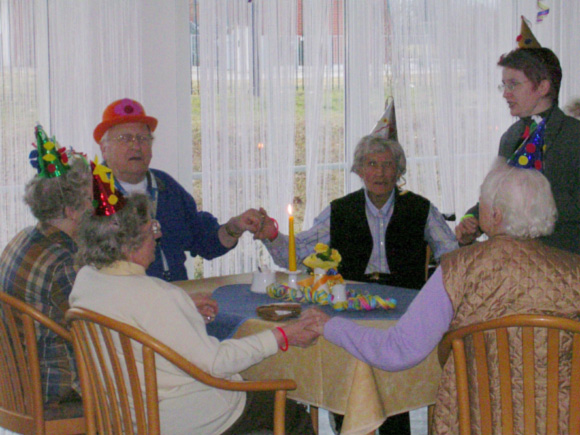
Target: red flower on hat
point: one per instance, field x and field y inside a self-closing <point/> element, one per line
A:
<point x="128" y="107"/>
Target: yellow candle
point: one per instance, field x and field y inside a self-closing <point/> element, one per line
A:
<point x="291" y="242"/>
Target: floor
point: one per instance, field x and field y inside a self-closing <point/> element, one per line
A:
<point x="418" y="422"/>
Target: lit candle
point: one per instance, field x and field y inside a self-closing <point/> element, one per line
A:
<point x="291" y="242"/>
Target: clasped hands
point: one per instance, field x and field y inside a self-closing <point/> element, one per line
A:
<point x="255" y="221"/>
<point x="302" y="332"/>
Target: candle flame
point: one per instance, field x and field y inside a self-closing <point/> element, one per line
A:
<point x="290" y="209"/>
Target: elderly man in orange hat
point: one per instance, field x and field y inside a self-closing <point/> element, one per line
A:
<point x="126" y="141"/>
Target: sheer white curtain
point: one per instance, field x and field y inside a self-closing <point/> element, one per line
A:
<point x="322" y="73"/>
<point x="62" y="61"/>
<point x="18" y="112"/>
<point x="247" y="73"/>
<point x="450" y="115"/>
<point x="366" y="75"/>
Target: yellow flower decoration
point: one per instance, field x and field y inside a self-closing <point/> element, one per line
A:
<point x="320" y="248"/>
<point x="323" y="258"/>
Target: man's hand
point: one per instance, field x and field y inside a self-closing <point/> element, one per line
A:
<point x="250" y="220"/>
<point x="207" y="307"/>
<point x="268" y="228"/>
<point x="467" y="231"/>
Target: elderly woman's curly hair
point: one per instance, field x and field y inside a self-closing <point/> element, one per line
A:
<point x="376" y="144"/>
<point x="103" y="240"/>
<point x="49" y="197"/>
<point x="524" y="197"/>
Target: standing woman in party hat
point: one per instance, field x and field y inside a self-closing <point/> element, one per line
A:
<point x="543" y="138"/>
<point x="37" y="265"/>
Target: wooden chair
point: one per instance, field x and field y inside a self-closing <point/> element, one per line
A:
<point x="107" y="381"/>
<point x="21" y="401"/>
<point x="526" y="327"/>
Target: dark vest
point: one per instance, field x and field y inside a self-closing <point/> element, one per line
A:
<point x="404" y="240"/>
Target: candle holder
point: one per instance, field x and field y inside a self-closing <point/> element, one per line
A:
<point x="293" y="279"/>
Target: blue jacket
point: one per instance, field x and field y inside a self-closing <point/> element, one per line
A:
<point x="184" y="229"/>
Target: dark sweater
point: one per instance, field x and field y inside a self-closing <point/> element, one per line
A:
<point x="404" y="240"/>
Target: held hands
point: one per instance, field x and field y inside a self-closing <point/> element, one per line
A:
<point x="300" y="332"/>
<point x="255" y="221"/>
<point x="268" y="229"/>
<point x="207" y="307"/>
<point x="467" y="231"/>
<point x="320" y="320"/>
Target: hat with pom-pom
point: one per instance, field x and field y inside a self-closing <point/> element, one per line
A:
<point x="107" y="200"/>
<point x="122" y="112"/>
<point x="526" y="38"/>
<point x="47" y="158"/>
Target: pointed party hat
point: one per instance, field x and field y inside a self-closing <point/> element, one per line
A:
<point x="49" y="160"/>
<point x="526" y="38"/>
<point x="530" y="153"/>
<point x="387" y="126"/>
<point x="107" y="200"/>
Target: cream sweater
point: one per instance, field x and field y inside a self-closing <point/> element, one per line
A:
<point x="123" y="292"/>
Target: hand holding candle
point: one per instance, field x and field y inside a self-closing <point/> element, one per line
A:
<point x="291" y="242"/>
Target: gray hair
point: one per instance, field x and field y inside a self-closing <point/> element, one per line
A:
<point x="49" y="197"/>
<point x="103" y="240"/>
<point x="376" y="144"/>
<point x="573" y="108"/>
<point x="523" y="196"/>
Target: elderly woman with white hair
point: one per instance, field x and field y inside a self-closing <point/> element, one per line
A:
<point x="381" y="231"/>
<point x="510" y="273"/>
<point x="115" y="251"/>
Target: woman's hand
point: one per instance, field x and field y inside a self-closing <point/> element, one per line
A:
<point x="467" y="231"/>
<point x="207" y="307"/>
<point x="320" y="319"/>
<point x="268" y="228"/>
<point x="300" y="333"/>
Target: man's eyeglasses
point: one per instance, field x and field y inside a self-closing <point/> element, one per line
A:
<point x="141" y="139"/>
<point x="509" y="86"/>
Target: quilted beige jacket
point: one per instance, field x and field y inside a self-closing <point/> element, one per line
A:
<point x="497" y="278"/>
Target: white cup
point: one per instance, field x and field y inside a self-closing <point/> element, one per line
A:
<point x="261" y="280"/>
<point x="339" y="293"/>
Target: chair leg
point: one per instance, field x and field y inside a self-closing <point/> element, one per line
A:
<point x="314" y="417"/>
<point x="430" y="410"/>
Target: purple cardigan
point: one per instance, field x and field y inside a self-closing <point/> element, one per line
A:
<point x="407" y="343"/>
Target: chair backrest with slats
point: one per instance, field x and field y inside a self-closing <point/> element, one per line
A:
<point x="489" y="349"/>
<point x="21" y="401"/>
<point x="113" y="375"/>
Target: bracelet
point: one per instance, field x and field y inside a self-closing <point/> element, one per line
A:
<point x="231" y="233"/>
<point x="285" y="348"/>
<point x="276" y="233"/>
<point x="468" y="215"/>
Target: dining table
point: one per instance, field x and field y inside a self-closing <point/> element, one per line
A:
<point x="327" y="376"/>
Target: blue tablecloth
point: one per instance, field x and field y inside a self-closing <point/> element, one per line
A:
<point x="238" y="304"/>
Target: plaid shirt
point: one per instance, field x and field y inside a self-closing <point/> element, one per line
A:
<point x="37" y="267"/>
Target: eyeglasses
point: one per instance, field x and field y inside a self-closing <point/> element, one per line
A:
<point x="141" y="139"/>
<point x="509" y="86"/>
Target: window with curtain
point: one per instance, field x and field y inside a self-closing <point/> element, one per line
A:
<point x="18" y="112"/>
<point x="279" y="84"/>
